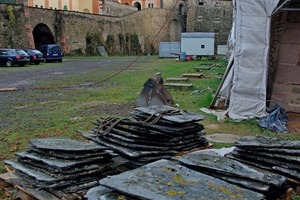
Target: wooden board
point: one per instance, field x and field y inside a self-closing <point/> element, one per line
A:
<point x="201" y="68"/>
<point x="25" y="189"/>
<point x="177" y="79"/>
<point x="193" y="75"/>
<point x="7" y="89"/>
<point x="178" y="85"/>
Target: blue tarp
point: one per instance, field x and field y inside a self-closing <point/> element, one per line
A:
<point x="276" y="120"/>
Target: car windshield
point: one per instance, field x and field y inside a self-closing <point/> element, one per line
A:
<point x="54" y="49"/>
<point x="11" y="52"/>
<point x="35" y="51"/>
<point x="21" y="52"/>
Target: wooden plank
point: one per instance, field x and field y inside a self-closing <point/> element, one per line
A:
<point x="178" y="84"/>
<point x="26" y="188"/>
<point x="198" y="69"/>
<point x="177" y="79"/>
<point x="193" y="75"/>
<point x="8" y="89"/>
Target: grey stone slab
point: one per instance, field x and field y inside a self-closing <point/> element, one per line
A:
<point x="274" y="156"/>
<point x="56" y="166"/>
<point x="171" y="114"/>
<point x="126" y="151"/>
<point x="44" y="179"/>
<point x="167" y="180"/>
<point x="71" y="155"/>
<point x="267" y="142"/>
<point x="231" y="167"/>
<point x="65" y="144"/>
<point x="284" y="151"/>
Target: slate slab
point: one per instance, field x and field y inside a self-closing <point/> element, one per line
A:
<point x="167" y="180"/>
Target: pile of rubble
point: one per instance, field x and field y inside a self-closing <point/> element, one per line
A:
<point x="151" y="134"/>
<point x="64" y="164"/>
<point x="269" y="153"/>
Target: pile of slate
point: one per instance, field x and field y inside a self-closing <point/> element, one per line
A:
<point x="270" y="153"/>
<point x="271" y="185"/>
<point x="166" y="179"/>
<point x="152" y="133"/>
<point x="64" y="164"/>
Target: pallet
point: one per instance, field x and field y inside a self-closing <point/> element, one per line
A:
<point x="193" y="75"/>
<point x="181" y="85"/>
<point x="177" y="79"/>
<point x="12" y="184"/>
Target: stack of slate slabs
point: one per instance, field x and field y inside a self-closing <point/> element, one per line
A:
<point x="64" y="164"/>
<point x="151" y="134"/>
<point x="165" y="179"/>
<point x="231" y="171"/>
<point x="270" y="153"/>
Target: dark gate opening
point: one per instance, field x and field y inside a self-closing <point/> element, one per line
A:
<point x="42" y="35"/>
<point x="137" y="5"/>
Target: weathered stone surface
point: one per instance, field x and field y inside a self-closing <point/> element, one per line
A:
<point x="166" y="180"/>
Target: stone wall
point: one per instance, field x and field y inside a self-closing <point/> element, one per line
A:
<point x="285" y="60"/>
<point x="117" y="9"/>
<point x="81" y="33"/>
<point x="213" y="16"/>
<point x="12" y="27"/>
<point x="277" y="24"/>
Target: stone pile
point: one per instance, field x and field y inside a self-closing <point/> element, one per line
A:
<point x="64" y="164"/>
<point x="271" y="185"/>
<point x="269" y="153"/>
<point x="151" y="134"/>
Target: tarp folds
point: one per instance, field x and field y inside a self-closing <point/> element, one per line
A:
<point x="251" y="38"/>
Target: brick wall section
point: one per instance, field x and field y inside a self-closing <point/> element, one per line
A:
<point x="284" y="60"/>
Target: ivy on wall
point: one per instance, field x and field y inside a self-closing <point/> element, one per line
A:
<point x="110" y="44"/>
<point x="11" y="14"/>
<point x="93" y="40"/>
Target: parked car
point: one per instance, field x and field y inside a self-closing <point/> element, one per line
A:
<point x="35" y="56"/>
<point x="51" y="52"/>
<point x="11" y="57"/>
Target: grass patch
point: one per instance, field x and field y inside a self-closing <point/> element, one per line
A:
<point x="67" y="104"/>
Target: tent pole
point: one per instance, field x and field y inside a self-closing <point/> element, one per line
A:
<point x="211" y="105"/>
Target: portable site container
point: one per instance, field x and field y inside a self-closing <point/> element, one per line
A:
<point x="198" y="44"/>
<point x="169" y="49"/>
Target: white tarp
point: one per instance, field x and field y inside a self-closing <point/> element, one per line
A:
<point x="246" y="85"/>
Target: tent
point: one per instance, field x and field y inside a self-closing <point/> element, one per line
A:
<point x="245" y="83"/>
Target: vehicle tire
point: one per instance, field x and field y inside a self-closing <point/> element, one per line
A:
<point x="9" y="63"/>
<point x="37" y="63"/>
<point x="60" y="60"/>
<point x="45" y="60"/>
<point x="198" y="57"/>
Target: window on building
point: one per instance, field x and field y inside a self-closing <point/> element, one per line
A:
<point x="202" y="46"/>
<point x="150" y="5"/>
<point x="181" y="9"/>
<point x="200" y="2"/>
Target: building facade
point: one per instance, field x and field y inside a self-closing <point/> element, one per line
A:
<point x="142" y="4"/>
<point x="91" y="6"/>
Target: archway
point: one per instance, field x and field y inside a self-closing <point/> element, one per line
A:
<point x="42" y="35"/>
<point x="137" y="5"/>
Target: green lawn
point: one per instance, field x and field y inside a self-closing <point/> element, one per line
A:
<point x="51" y="112"/>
